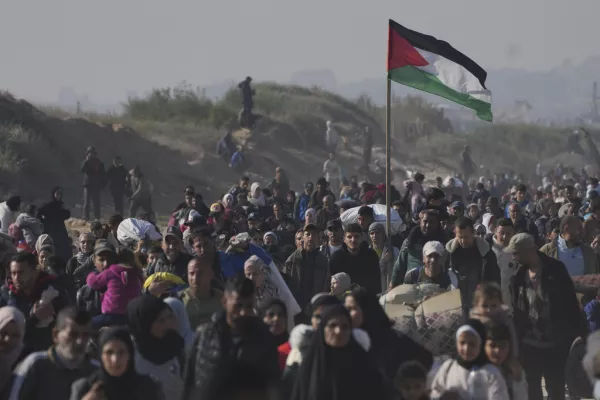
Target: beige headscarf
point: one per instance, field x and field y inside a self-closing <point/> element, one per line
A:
<point x="43" y="240"/>
<point x="7" y="360"/>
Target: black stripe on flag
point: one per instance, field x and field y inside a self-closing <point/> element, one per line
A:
<point x="444" y="49"/>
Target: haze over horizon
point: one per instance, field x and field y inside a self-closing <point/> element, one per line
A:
<point x="108" y="49"/>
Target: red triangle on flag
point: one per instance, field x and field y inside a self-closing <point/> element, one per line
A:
<point x="401" y="53"/>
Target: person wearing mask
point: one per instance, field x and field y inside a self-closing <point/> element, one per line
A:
<point x="117" y="176"/>
<point x="12" y="332"/>
<point x="336" y="366"/>
<point x="569" y="248"/>
<point x="234" y="337"/>
<point x="201" y="300"/>
<point x="80" y="265"/>
<point x="335" y="236"/>
<point x="508" y="268"/>
<point x="141" y="193"/>
<point x="387" y="257"/>
<point x="175" y="259"/>
<point x="94" y="179"/>
<point x="53" y="216"/>
<point x="357" y="260"/>
<point x="433" y="270"/>
<point x="116" y="378"/>
<point x="8" y="212"/>
<point x="159" y="349"/>
<point x="546" y="314"/>
<point x="302" y="202"/>
<point x="411" y="253"/>
<point x="307" y="268"/>
<point x="472" y="260"/>
<point x="327" y="213"/>
<point x="49" y="374"/>
<point x="37" y="296"/>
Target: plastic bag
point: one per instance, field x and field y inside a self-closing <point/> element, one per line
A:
<point x="133" y="230"/>
<point x="379" y="212"/>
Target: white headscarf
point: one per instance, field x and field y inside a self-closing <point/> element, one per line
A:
<point x="183" y="321"/>
<point x="7" y="360"/>
<point x="257" y="201"/>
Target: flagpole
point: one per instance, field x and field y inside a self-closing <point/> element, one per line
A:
<point x="388" y="163"/>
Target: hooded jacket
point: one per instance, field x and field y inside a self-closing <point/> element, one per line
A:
<point x="122" y="284"/>
<point x="508" y="269"/>
<point x="31" y="227"/>
<point x="362" y="267"/>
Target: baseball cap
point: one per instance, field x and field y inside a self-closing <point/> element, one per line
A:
<point x="334" y="224"/>
<point x="433" y="247"/>
<point x="521" y="241"/>
<point x="216" y="208"/>
<point x="308" y="185"/>
<point x="253" y="217"/>
<point x="173" y="231"/>
<point x="376" y="227"/>
<point x="102" y="246"/>
<point x="457" y="204"/>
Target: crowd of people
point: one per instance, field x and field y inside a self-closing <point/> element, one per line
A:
<point x="269" y="293"/>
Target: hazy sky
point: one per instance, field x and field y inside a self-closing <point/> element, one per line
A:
<point x="107" y="48"/>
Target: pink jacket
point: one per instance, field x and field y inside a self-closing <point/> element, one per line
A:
<point x="122" y="284"/>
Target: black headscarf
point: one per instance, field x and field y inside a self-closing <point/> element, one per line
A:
<point x="476" y="327"/>
<point x="329" y="373"/>
<point x="321" y="299"/>
<point x="274" y="301"/>
<point x="142" y="313"/>
<point x="375" y="321"/>
<point x="117" y="387"/>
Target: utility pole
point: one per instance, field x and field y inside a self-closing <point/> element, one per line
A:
<point x="595" y="99"/>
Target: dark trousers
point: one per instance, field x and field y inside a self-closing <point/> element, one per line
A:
<point x="549" y="364"/>
<point x="91" y="195"/>
<point x="146" y="204"/>
<point x="118" y="201"/>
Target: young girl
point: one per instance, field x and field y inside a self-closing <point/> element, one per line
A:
<point x="123" y="283"/>
<point x="499" y="349"/>
<point x="470" y="375"/>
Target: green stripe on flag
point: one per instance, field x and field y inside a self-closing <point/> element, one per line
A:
<point x="421" y="80"/>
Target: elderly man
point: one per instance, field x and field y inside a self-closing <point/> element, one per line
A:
<point x="433" y="270"/>
<point x="327" y="213"/>
<point x="386" y="256"/>
<point x="569" y="247"/>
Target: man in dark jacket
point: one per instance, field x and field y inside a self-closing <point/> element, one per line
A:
<point x="547" y="316"/>
<point x="94" y="178"/>
<point x="232" y="339"/>
<point x="175" y="259"/>
<point x="303" y="202"/>
<point x="141" y="193"/>
<point x="316" y="200"/>
<point x="308" y="268"/>
<point x="411" y="253"/>
<point x="521" y="223"/>
<point x="472" y="260"/>
<point x="117" y="183"/>
<point x="23" y="290"/>
<point x="357" y="260"/>
<point x="49" y="374"/>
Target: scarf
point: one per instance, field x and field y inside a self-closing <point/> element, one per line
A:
<point x="7" y="359"/>
<point x="142" y="312"/>
<point x="43" y="240"/>
<point x="257" y="201"/>
<point x="486" y="221"/>
<point x="476" y="328"/>
<point x="117" y="387"/>
<point x="183" y="321"/>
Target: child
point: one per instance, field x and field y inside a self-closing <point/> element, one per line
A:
<point x="411" y="381"/>
<point x="487" y="300"/>
<point x="470" y="375"/>
<point x="500" y="350"/>
<point x="123" y="283"/>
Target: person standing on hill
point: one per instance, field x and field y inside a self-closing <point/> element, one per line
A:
<point x="141" y="193"/>
<point x="247" y="98"/>
<point x="333" y="173"/>
<point x="117" y="183"/>
<point x="94" y="178"/>
<point x="332" y="138"/>
<point x="367" y="146"/>
<point x="468" y="165"/>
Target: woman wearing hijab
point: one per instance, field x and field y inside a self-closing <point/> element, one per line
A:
<point x="183" y="321"/>
<point x="389" y="348"/>
<point x="44" y="241"/>
<point x="12" y="332"/>
<point x="336" y="367"/>
<point x="274" y="314"/>
<point x="470" y="375"/>
<point x="310" y="216"/>
<point x="53" y="215"/>
<point x="82" y="263"/>
<point x="159" y="348"/>
<point x="228" y="202"/>
<point x="117" y="378"/>
<point x="257" y="197"/>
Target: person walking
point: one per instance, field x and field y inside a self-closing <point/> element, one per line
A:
<point x="94" y="178"/>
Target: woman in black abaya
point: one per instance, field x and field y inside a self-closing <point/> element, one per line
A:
<point x="336" y="366"/>
<point x="116" y="379"/>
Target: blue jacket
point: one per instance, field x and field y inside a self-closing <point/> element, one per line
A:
<point x="302" y="206"/>
<point x="232" y="264"/>
<point x="592" y="314"/>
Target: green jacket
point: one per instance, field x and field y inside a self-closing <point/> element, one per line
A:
<point x="591" y="261"/>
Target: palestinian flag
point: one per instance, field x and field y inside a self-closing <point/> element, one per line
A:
<point x="426" y="63"/>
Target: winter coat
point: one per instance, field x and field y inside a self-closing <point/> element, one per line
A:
<point x="363" y="267"/>
<point x="508" y="269"/>
<point x="53" y="215"/>
<point x="216" y="353"/>
<point x="313" y="264"/>
<point x="31" y="228"/>
<point x="469" y="278"/>
<point x="300" y="207"/>
<point x="452" y="376"/>
<point x="566" y="316"/>
<point x="591" y="260"/>
<point x="37" y="338"/>
<point x="121" y="284"/>
<point x="117" y="179"/>
<point x="7" y="217"/>
<point x="146" y="388"/>
<point x="80" y="272"/>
